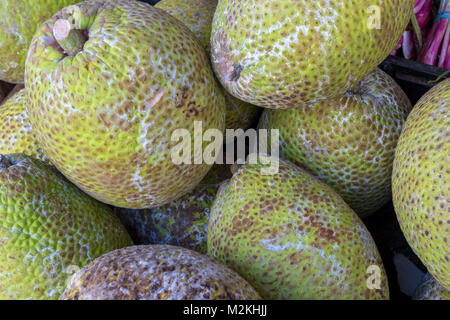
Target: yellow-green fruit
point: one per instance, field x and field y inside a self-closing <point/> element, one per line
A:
<point x="421" y="184"/>
<point x="105" y="117"/>
<point x="19" y="20"/>
<point x="281" y="54"/>
<point x="182" y="222"/>
<point x="197" y="15"/>
<point x="48" y="229"/>
<point x="292" y="237"/>
<point x="430" y="289"/>
<point x="348" y="141"/>
<point x="16" y="134"/>
<point x="157" y="272"/>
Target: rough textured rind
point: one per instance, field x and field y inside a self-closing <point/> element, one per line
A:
<point x="421" y="184"/>
<point x="182" y="222"/>
<point x="430" y="289"/>
<point x="292" y="237"/>
<point x="105" y="117"/>
<point x="197" y="15"/>
<point x="16" y="134"/>
<point x="19" y="19"/>
<point x="157" y="272"/>
<point x="349" y="141"/>
<point x="48" y="229"/>
<point x="280" y="54"/>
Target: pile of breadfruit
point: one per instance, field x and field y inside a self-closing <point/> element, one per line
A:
<point x="100" y="99"/>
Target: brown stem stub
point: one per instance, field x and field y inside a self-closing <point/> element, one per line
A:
<point x="70" y="40"/>
<point x="237" y="69"/>
<point x="61" y="29"/>
<point x="5" y="163"/>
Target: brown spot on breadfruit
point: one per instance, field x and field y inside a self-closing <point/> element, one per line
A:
<point x="157" y="272"/>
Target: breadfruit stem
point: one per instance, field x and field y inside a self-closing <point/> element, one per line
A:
<point x="355" y="90"/>
<point x="71" y="40"/>
<point x="4" y="162"/>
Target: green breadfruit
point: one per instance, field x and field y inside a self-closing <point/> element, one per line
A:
<point x="104" y="114"/>
<point x="421" y="184"/>
<point x="16" y="134"/>
<point x="292" y="237"/>
<point x="157" y="272"/>
<point x="281" y="54"/>
<point x="182" y="222"/>
<point x="348" y="141"/>
<point x="48" y="229"/>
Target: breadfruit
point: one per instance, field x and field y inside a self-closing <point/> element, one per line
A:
<point x="157" y="272"/>
<point x="348" y="141"/>
<point x="421" y="184"/>
<point x="281" y="54"/>
<point x="292" y="237"/>
<point x="182" y="222"/>
<point x="105" y="114"/>
<point x="48" y="229"/>
<point x="16" y="134"/>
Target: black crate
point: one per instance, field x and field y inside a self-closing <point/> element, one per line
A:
<point x="415" y="78"/>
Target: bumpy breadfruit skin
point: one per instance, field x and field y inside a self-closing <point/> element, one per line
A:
<point x="430" y="289"/>
<point x="292" y="237"/>
<point x="48" y="227"/>
<point x="197" y="15"/>
<point x="421" y="184"/>
<point x="157" y="272"/>
<point x="16" y="134"/>
<point x="348" y="141"/>
<point x="19" y="19"/>
<point x="182" y="222"/>
<point x="105" y="117"/>
<point x="280" y="54"/>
